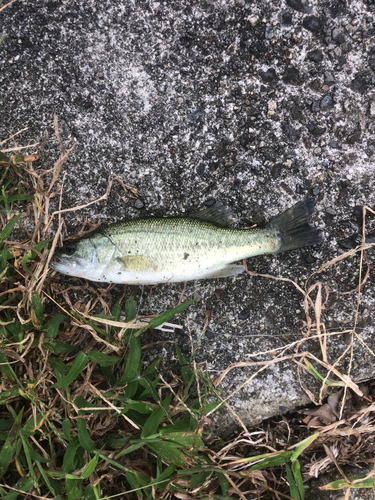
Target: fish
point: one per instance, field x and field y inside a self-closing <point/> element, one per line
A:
<point x="202" y="245"/>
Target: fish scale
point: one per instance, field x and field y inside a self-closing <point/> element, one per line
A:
<point x="166" y="250"/>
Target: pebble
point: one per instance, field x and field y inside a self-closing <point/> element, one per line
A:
<point x="315" y="106"/>
<point x="326" y="103"/>
<point x="334" y="144"/>
<point x="268" y="33"/>
<point x="138" y="204"/>
<point x="286" y="18"/>
<point x="244" y="314"/>
<point x="308" y="258"/>
<point x="358" y="215"/>
<point x="330" y="211"/>
<point x="298" y="5"/>
<point x="209" y="202"/>
<point x="269" y="75"/>
<point x="347" y="244"/>
<point x="253" y="21"/>
<point x="372" y="108"/>
<point x="329" y="78"/>
<point x="291" y="76"/>
<point x="180" y="100"/>
<point x="345" y="223"/>
<point x="315" y="56"/>
<point x="338" y="36"/>
<point x="209" y="334"/>
<point x="312" y="23"/>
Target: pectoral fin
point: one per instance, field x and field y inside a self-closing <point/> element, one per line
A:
<point x="224" y="272"/>
<point x="135" y="262"/>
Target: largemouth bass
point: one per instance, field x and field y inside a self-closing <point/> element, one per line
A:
<point x="167" y="250"/>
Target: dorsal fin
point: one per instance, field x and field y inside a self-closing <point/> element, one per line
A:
<point x="218" y="214"/>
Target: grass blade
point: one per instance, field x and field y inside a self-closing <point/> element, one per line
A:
<point x="79" y="363"/>
<point x="133" y="362"/>
<point x="153" y="422"/>
<point x="294" y="493"/>
<point x="10" y="445"/>
<point x="83" y="436"/>
<point x="9" y="228"/>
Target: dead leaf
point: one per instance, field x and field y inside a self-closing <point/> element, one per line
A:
<point x="335" y="402"/>
<point x="324" y="413"/>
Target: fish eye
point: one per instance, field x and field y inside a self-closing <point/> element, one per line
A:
<point x="70" y="248"/>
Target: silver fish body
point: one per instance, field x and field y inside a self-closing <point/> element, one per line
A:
<point x="167" y="250"/>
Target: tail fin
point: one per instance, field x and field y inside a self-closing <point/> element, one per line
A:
<point x="292" y="227"/>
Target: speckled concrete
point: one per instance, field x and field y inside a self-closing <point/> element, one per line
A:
<point x="257" y="104"/>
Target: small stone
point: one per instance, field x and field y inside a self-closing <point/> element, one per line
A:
<point x="347" y="244"/>
<point x="354" y="137"/>
<point x="312" y="23"/>
<point x="299" y="5"/>
<point x="254" y="20"/>
<point x="334" y="144"/>
<point x="286" y="18"/>
<point x="315" y="106"/>
<point x="244" y="314"/>
<point x="268" y="33"/>
<point x="330" y="211"/>
<point x="335" y="33"/>
<point x="329" y="78"/>
<point x="317" y="150"/>
<point x="138" y="204"/>
<point x="315" y="56"/>
<point x="299" y="189"/>
<point x="345" y="223"/>
<point x="209" y="334"/>
<point x="372" y="108"/>
<point x="370" y="238"/>
<point x="272" y="106"/>
<point x="316" y="190"/>
<point x="180" y="100"/>
<point x="269" y="75"/>
<point x="338" y="36"/>
<point x="291" y="76"/>
<point x="197" y="114"/>
<point x="358" y="215"/>
<point x="308" y="258"/>
<point x="209" y="202"/>
<point x="326" y="103"/>
<point x="360" y="83"/>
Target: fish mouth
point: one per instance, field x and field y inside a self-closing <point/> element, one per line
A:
<point x="58" y="264"/>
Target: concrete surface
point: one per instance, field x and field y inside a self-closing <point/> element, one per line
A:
<point x="257" y="104"/>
